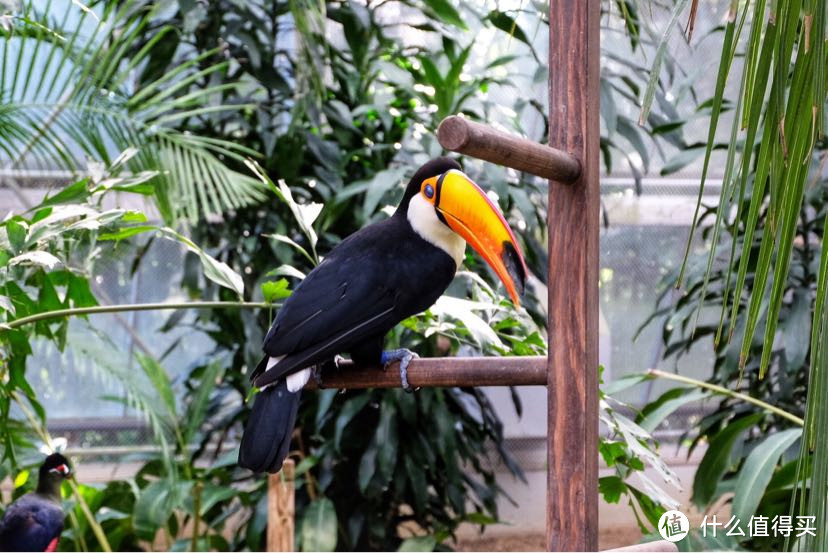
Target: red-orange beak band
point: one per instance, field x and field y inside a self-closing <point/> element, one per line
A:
<point x="469" y="212"/>
<point x="62" y="470"/>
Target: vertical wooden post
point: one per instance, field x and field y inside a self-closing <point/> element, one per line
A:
<point x="280" y="508"/>
<point x="572" y="480"/>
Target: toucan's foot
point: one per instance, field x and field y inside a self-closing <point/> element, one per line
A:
<point x="404" y="356"/>
<point x="338" y="360"/>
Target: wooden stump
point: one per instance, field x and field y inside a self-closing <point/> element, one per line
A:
<point x="281" y="508"/>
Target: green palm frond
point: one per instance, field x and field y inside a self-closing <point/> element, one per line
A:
<point x="68" y="94"/>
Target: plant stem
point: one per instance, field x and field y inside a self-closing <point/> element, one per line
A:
<point x="90" y="518"/>
<point x="196" y="515"/>
<point x="725" y="392"/>
<point x="75" y="311"/>
<point x="80" y="541"/>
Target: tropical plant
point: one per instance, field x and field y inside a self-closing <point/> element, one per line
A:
<point x="68" y="96"/>
<point x="47" y="258"/>
<point x="338" y="129"/>
<point x="767" y="281"/>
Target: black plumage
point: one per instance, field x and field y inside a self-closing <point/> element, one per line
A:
<point x="35" y="521"/>
<point x="371" y="281"/>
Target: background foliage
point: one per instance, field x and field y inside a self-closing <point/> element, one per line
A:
<point x="293" y="124"/>
<point x="757" y="290"/>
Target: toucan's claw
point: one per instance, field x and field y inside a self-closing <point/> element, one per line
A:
<point x="338" y="360"/>
<point x="404" y="356"/>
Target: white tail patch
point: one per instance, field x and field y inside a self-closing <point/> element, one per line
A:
<point x="271" y="362"/>
<point x="296" y="381"/>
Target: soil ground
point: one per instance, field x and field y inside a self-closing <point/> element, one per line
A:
<point x="607" y="539"/>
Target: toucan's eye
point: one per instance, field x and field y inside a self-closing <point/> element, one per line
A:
<point x="428" y="191"/>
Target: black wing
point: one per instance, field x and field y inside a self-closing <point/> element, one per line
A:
<point x="349" y="297"/>
<point x="30" y="524"/>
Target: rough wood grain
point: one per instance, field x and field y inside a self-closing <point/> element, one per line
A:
<point x="440" y="372"/>
<point x="483" y="142"/>
<point x="572" y="481"/>
<point x="280" y="508"/>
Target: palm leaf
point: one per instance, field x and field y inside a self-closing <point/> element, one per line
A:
<point x="83" y="105"/>
<point x="782" y="99"/>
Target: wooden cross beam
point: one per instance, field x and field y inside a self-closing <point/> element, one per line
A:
<point x="487" y="143"/>
<point x="436" y="372"/>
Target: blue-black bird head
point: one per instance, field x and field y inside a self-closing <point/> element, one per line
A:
<point x="56" y="465"/>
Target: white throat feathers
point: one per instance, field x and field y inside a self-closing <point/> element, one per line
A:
<point x="424" y="221"/>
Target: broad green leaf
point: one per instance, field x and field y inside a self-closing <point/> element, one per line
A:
<point x="156" y="503"/>
<point x="418" y="543"/>
<point x="463" y="310"/>
<point x="197" y="406"/>
<point x="275" y="291"/>
<point x="319" y="526"/>
<point x="367" y="466"/>
<point x="611" y="488"/>
<point x="757" y="471"/>
<point x="6" y="303"/>
<point x="446" y="12"/>
<point x="717" y="459"/>
<point x="212" y="495"/>
<point x="74" y="193"/>
<point x="21" y="478"/>
<point x="387" y="441"/>
<point x="16" y="233"/>
<point x="290" y="242"/>
<point x="625" y="382"/>
<point x="346" y="413"/>
<point x="286" y="270"/>
<point x="39" y="258"/>
<point x="127" y="232"/>
<point x="508" y="25"/>
<point x="160" y="382"/>
<point x="796" y="330"/>
<point x="664" y="406"/>
<point x="217" y="271"/>
<point x="681" y="160"/>
<point x="304" y="215"/>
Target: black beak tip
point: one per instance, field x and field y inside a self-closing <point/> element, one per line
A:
<point x="514" y="265"/>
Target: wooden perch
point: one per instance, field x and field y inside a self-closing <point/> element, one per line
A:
<point x="483" y="142"/>
<point x="440" y="372"/>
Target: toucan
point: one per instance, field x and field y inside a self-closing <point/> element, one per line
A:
<point x="35" y="521"/>
<point x="375" y="278"/>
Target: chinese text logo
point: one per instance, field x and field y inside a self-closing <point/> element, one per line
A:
<point x="673" y="526"/>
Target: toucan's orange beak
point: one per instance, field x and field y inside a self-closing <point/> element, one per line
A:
<point x="469" y="212"/>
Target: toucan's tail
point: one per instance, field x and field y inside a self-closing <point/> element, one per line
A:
<point x="266" y="439"/>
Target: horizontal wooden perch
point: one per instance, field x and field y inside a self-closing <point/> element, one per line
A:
<point x="483" y="142"/>
<point x="440" y="372"/>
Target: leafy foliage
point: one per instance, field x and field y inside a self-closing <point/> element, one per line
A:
<point x="177" y="99"/>
<point x="67" y="95"/>
<point x="751" y="451"/>
<point x="628" y="449"/>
